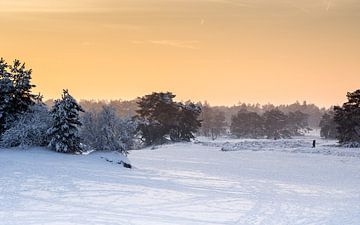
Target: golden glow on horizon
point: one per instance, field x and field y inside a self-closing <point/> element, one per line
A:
<point x="222" y="51"/>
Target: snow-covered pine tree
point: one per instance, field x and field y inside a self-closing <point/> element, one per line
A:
<point x="6" y="97"/>
<point x="23" y="98"/>
<point x="15" y="92"/>
<point x="64" y="133"/>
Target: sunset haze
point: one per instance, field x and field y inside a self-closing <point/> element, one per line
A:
<point x="223" y="51"/>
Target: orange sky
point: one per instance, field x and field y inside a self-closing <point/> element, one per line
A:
<point x="223" y="51"/>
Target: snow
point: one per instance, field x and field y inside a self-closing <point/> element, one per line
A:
<point x="285" y="145"/>
<point x="184" y="183"/>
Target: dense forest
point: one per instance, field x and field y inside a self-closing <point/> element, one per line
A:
<point x="125" y="108"/>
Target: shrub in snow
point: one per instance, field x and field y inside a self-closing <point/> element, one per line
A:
<point x="104" y="130"/>
<point x="30" y="128"/>
<point x="64" y="133"/>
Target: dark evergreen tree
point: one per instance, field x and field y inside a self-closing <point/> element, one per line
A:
<point x="23" y="98"/>
<point x="297" y="123"/>
<point x="64" y="133"/>
<point x="206" y="117"/>
<point x="218" y="125"/>
<point x="213" y="121"/>
<point x="6" y="96"/>
<point x="275" y="123"/>
<point x="160" y="116"/>
<point x="186" y="122"/>
<point x="247" y="124"/>
<point x="328" y="126"/>
<point x="15" y="92"/>
<point x="347" y="119"/>
<point x="155" y="116"/>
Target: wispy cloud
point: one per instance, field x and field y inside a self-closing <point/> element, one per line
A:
<point x="171" y="43"/>
<point x="328" y="4"/>
<point x="300" y="8"/>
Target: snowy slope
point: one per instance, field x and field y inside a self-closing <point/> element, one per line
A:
<point x="180" y="184"/>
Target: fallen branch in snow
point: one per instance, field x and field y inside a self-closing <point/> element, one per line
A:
<point x="126" y="165"/>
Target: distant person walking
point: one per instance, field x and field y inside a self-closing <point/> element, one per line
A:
<point x="314" y="144"/>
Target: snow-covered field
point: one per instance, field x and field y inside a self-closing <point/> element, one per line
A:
<point x="252" y="182"/>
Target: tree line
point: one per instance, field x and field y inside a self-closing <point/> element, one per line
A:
<point x="314" y="112"/>
<point x="271" y="124"/>
<point x="216" y="120"/>
<point x="128" y="108"/>
<point x="246" y="124"/>
<point x="65" y="125"/>
<point x="26" y="121"/>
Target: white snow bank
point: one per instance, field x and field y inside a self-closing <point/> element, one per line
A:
<point x="202" y="185"/>
<point x="295" y="145"/>
<point x="178" y="184"/>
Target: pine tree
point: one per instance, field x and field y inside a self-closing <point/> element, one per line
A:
<point x="64" y="132"/>
<point x="297" y="123"/>
<point x="206" y="117"/>
<point x="247" y="124"/>
<point x="23" y="98"/>
<point x="347" y="119"/>
<point x="6" y="96"/>
<point x="328" y="126"/>
<point x="219" y="124"/>
<point x="186" y="122"/>
<point x="213" y="121"/>
<point x="156" y="115"/>
<point x="159" y="117"/>
<point x="15" y="92"/>
<point x="275" y="123"/>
